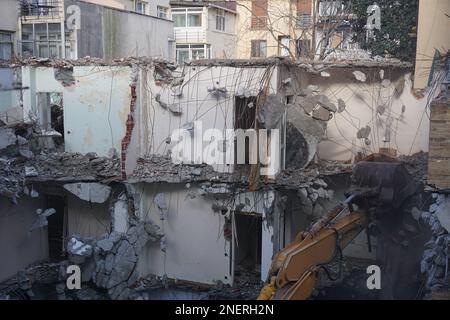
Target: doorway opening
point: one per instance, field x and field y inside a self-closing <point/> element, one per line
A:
<point x="56" y="229"/>
<point x="248" y="245"/>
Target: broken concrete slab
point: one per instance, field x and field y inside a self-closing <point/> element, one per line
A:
<point x="89" y="191"/>
<point x="364" y="132"/>
<point x="174" y="108"/>
<point x="443" y="214"/>
<point x="341" y="105"/>
<point x="272" y="111"/>
<point x="360" y="76"/>
<point x="303" y="135"/>
<point x="41" y="220"/>
<point x="7" y="138"/>
<point x="79" y="248"/>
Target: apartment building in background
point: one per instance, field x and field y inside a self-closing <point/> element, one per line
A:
<point x="204" y="29"/>
<point x="274" y="28"/>
<point x="104" y="29"/>
<point x="292" y="28"/>
<point x="8" y="28"/>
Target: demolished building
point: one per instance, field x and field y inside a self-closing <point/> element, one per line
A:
<point x="88" y="168"/>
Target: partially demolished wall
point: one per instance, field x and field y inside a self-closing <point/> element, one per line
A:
<point x="156" y="217"/>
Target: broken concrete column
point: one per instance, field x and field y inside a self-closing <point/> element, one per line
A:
<point x="116" y="256"/>
<point x="272" y="111"/>
<point x="303" y="133"/>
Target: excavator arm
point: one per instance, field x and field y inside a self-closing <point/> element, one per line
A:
<point x="294" y="270"/>
<point x="293" y="273"/>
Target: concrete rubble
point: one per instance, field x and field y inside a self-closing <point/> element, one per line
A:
<point x="116" y="256"/>
<point x="91" y="192"/>
<point x="434" y="264"/>
<point x="22" y="163"/>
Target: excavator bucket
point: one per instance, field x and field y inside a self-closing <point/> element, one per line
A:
<point x="391" y="179"/>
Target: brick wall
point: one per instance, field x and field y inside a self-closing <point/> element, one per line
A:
<point x="439" y="149"/>
<point x="129" y="130"/>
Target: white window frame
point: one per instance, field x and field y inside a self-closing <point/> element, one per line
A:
<point x="284" y="45"/>
<point x="192" y="47"/>
<point x="331" y="8"/>
<point x="162" y="12"/>
<point x="143" y="9"/>
<point x="7" y="43"/>
<point x="220" y="20"/>
<point x="187" y="12"/>
<point x="259" y="50"/>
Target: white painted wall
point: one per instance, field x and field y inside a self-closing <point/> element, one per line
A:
<point x="96" y="107"/>
<point x="154" y="124"/>
<point x="18" y="247"/>
<point x="88" y="220"/>
<point x="223" y="43"/>
<point x="409" y="129"/>
<point x="196" y="249"/>
<point x="10" y="108"/>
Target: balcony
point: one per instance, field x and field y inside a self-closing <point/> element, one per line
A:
<point x="32" y="10"/>
<point x="258" y="23"/>
<point x="190" y="35"/>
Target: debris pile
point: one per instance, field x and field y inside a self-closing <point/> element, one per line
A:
<point x="23" y="285"/>
<point x="75" y="166"/>
<point x="434" y="264"/>
<point x="87" y="61"/>
<point x="23" y="161"/>
<point x="116" y="256"/>
<point x="158" y="168"/>
<point x="416" y="164"/>
<point x="247" y="286"/>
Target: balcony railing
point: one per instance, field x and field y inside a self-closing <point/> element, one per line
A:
<point x="304" y="20"/>
<point x="190" y="35"/>
<point x="41" y="9"/>
<point x="258" y="23"/>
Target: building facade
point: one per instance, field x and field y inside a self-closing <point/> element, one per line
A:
<point x="8" y="28"/>
<point x="274" y="28"/>
<point x="204" y="30"/>
<point x="73" y="29"/>
<point x="295" y="29"/>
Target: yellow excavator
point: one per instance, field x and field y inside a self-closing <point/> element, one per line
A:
<point x="377" y="187"/>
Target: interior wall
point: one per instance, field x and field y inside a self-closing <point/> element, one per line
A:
<point x="401" y="111"/>
<point x="10" y="108"/>
<point x="196" y="103"/>
<point x="18" y="247"/>
<point x="88" y="220"/>
<point x="94" y="114"/>
<point x="196" y="249"/>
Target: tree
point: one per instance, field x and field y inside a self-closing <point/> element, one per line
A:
<point x="331" y="20"/>
<point x="398" y="19"/>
